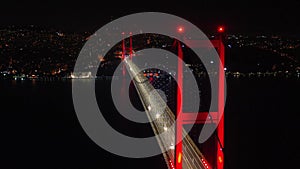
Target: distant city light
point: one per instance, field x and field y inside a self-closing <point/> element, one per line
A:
<point x="43" y="38"/>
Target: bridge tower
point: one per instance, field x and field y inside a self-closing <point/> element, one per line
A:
<point x="124" y="50"/>
<point x="187" y="118"/>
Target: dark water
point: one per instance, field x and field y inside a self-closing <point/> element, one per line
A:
<point x="40" y="128"/>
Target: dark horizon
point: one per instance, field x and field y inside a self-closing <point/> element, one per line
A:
<point x="247" y="17"/>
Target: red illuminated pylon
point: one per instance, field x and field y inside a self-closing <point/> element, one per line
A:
<point x="123" y="54"/>
<point x="130" y="47"/>
<point x="178" y="147"/>
<point x="188" y="118"/>
<point x="124" y="49"/>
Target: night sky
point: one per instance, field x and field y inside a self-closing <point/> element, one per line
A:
<point x="239" y="17"/>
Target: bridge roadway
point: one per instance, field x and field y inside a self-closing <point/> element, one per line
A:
<point x="162" y="119"/>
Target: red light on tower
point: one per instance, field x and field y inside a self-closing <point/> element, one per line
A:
<point x="221" y="29"/>
<point x="180" y="29"/>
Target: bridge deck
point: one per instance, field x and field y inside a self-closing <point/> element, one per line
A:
<point x="162" y="119"/>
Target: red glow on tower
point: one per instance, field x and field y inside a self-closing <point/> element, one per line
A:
<point x="179" y="158"/>
<point x="220" y="159"/>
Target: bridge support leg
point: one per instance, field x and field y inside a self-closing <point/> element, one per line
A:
<point x="221" y="102"/>
<point x="123" y="56"/>
<point x="178" y="148"/>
